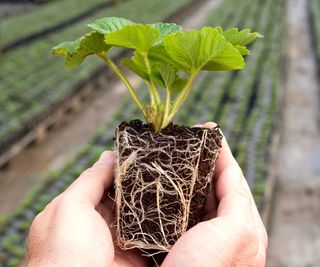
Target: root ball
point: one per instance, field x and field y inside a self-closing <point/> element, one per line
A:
<point x="162" y="181"/>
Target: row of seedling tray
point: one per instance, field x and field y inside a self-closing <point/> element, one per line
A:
<point x="33" y="82"/>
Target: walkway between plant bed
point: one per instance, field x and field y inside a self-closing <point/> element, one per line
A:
<point x="12" y="9"/>
<point x="63" y="142"/>
<point x="295" y="223"/>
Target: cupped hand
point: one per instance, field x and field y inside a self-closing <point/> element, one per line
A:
<point x="234" y="234"/>
<point x="75" y="228"/>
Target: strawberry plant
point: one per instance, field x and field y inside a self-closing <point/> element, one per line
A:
<point x="164" y="56"/>
<point x="163" y="172"/>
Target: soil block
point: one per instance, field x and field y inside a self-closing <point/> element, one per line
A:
<point x="162" y="181"/>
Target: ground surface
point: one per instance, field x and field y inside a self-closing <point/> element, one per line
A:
<point x="64" y="142"/>
<point x="295" y="225"/>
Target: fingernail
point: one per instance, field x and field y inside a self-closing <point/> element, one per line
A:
<point x="107" y="157"/>
<point x="210" y="125"/>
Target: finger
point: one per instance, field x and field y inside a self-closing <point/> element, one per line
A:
<point x="209" y="124"/>
<point x="92" y="183"/>
<point x="233" y="196"/>
<point x="212" y="202"/>
<point x="232" y="190"/>
<point x="226" y="160"/>
<point x="261" y="230"/>
<point x="225" y="157"/>
<point x="235" y="200"/>
<point x="259" y="226"/>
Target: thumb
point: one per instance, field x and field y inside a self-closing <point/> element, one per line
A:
<point x="93" y="182"/>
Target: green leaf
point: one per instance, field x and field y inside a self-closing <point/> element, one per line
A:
<point x="109" y="24"/>
<point x="228" y="59"/>
<point x="240" y="39"/>
<point x="94" y="43"/>
<point x="166" y="28"/>
<point x="178" y="84"/>
<point x="65" y="47"/>
<point x="242" y="50"/>
<point x="75" y="52"/>
<point x="160" y="54"/>
<point x="137" y="65"/>
<point x="219" y="29"/>
<point x="205" y="49"/>
<point x="138" y="36"/>
<point x="164" y="75"/>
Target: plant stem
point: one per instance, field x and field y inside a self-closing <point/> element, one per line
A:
<point x="136" y="99"/>
<point x="167" y="110"/>
<point x="152" y="100"/>
<point x="180" y="99"/>
<point x="153" y="88"/>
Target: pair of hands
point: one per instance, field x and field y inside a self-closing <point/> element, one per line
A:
<point x="75" y="228"/>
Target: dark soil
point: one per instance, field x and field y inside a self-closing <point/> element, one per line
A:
<point x="162" y="182"/>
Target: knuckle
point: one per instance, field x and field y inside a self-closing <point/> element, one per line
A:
<point x="246" y="233"/>
<point x="50" y="207"/>
<point x="53" y="203"/>
<point x="36" y="221"/>
<point x="248" y="244"/>
<point x="36" y="224"/>
<point x="88" y="172"/>
<point x="66" y="202"/>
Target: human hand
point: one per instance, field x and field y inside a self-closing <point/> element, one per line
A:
<point x="234" y="234"/>
<point x="74" y="229"/>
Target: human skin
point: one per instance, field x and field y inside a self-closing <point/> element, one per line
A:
<point x="75" y="228"/>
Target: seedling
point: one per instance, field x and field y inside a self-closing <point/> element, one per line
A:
<point x="163" y="172"/>
<point x="164" y="56"/>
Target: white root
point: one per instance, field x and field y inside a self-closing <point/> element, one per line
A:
<point x="154" y="195"/>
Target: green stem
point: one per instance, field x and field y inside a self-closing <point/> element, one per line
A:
<point x="181" y="98"/>
<point x="153" y="88"/>
<point x="136" y="99"/>
<point x="167" y="110"/>
<point x="155" y="93"/>
<point x="152" y="96"/>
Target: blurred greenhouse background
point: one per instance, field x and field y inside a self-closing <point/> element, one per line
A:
<point x="54" y="123"/>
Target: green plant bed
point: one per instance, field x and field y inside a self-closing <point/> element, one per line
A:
<point x="43" y="92"/>
<point x="56" y="13"/>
